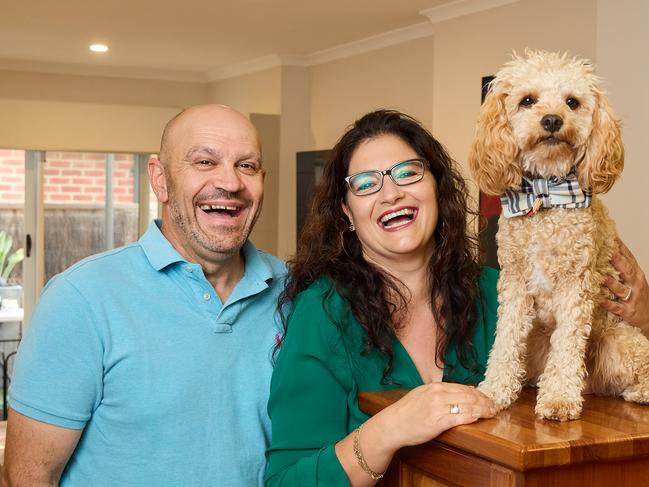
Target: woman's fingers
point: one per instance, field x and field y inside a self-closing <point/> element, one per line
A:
<point x="431" y="409"/>
<point x="463" y="401"/>
<point x="631" y="290"/>
<point x="616" y="287"/>
<point x="624" y="266"/>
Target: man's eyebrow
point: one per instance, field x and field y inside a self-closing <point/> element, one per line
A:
<point x="201" y="149"/>
<point x="217" y="154"/>
<point x="251" y="155"/>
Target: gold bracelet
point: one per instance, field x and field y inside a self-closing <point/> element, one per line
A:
<point x="361" y="459"/>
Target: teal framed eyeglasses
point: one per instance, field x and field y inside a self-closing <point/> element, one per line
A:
<point x="402" y="173"/>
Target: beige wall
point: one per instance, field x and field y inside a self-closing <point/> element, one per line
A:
<point x="264" y="234"/>
<point x="252" y="93"/>
<point x="622" y="41"/>
<point x="51" y="125"/>
<point x="71" y="112"/>
<point x="399" y="77"/>
<point x="95" y="89"/>
<point x="295" y="136"/>
<point x="87" y="113"/>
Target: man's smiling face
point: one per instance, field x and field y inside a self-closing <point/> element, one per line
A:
<point x="214" y="182"/>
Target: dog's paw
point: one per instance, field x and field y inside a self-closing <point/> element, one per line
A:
<point x="558" y="409"/>
<point x="500" y="399"/>
<point x="637" y="393"/>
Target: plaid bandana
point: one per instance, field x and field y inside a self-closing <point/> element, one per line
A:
<point x="545" y="193"/>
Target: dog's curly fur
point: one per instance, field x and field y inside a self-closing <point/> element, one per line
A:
<point x="551" y="330"/>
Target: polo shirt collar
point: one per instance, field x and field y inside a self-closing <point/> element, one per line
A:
<point x="255" y="262"/>
<point x="157" y="248"/>
<point x="161" y="253"/>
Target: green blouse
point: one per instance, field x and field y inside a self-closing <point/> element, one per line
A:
<point x="320" y="371"/>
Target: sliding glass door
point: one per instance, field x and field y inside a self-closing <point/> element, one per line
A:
<point x="64" y="206"/>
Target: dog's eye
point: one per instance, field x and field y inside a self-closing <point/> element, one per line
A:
<point x="573" y="103"/>
<point x="528" y="101"/>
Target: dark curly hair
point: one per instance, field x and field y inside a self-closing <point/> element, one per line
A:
<point x="327" y="249"/>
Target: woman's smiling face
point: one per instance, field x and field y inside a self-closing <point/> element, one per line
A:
<point x="397" y="222"/>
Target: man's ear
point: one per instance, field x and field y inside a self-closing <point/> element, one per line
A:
<point x="158" y="179"/>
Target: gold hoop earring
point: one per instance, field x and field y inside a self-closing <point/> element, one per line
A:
<point x="342" y="243"/>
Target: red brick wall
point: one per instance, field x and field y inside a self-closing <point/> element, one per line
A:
<point x="70" y="177"/>
<point x="12" y="176"/>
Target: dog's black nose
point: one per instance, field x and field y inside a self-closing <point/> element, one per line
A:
<point x="551" y="123"/>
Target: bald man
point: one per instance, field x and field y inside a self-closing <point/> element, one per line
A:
<point x="149" y="365"/>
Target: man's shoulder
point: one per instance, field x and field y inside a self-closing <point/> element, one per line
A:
<point x="118" y="263"/>
<point x="72" y="299"/>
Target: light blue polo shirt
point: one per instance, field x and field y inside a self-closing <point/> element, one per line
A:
<point x="169" y="384"/>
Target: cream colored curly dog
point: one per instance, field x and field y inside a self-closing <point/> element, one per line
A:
<point x="547" y="143"/>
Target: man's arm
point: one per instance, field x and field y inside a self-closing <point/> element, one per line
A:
<point x="36" y="453"/>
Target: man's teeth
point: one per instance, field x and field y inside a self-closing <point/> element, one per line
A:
<point x="394" y="214"/>
<point x="218" y="207"/>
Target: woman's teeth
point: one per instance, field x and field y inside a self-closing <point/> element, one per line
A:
<point x="397" y="218"/>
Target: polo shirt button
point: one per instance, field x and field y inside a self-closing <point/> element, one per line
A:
<point x="207" y="296"/>
<point x="189" y="269"/>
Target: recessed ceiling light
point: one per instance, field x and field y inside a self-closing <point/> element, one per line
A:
<point x="98" y="47"/>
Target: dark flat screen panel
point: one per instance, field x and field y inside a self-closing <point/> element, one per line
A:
<point x="309" y="170"/>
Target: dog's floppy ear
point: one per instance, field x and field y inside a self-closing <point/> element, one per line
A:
<point x="493" y="154"/>
<point x="604" y="158"/>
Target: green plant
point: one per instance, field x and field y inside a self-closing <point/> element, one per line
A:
<point x="8" y="260"/>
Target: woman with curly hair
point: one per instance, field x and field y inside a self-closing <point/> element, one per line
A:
<point x="386" y="293"/>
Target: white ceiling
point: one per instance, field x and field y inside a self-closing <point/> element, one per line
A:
<point x="188" y="37"/>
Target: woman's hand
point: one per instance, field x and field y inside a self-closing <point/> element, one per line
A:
<point x="631" y="290"/>
<point x="429" y="410"/>
<point x="416" y="418"/>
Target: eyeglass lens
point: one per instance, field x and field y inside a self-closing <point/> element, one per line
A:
<point x="402" y="173"/>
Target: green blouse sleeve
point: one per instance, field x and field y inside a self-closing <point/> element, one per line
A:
<point x="309" y="395"/>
